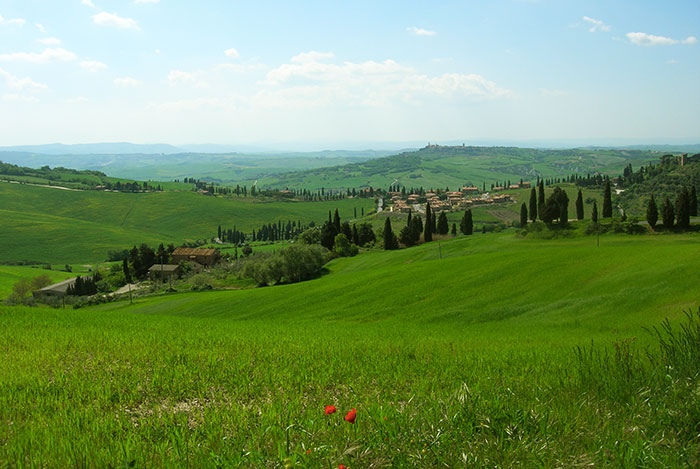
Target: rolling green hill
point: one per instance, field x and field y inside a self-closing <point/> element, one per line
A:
<point x="57" y="226"/>
<point x="468" y="360"/>
<point x="452" y="167"/>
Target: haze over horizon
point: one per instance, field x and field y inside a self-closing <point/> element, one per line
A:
<point x="151" y="71"/>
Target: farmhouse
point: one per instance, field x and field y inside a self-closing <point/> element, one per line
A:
<point x="164" y="271"/>
<point x="205" y="257"/>
<point x="57" y="290"/>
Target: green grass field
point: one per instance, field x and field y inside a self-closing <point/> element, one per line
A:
<point x="461" y="361"/>
<point x="56" y="226"/>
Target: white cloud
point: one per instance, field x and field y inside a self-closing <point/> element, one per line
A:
<point x="157" y="51"/>
<point x="48" y="55"/>
<point x="596" y="25"/>
<point x="420" y="31"/>
<point x="114" y="21"/>
<point x="49" y="41"/>
<point x="644" y="39"/>
<point x="18" y="98"/>
<point x="127" y="82"/>
<point x="21" y="84"/>
<point x="672" y="62"/>
<point x="146" y="1"/>
<point x="194" y="79"/>
<point x="231" y="53"/>
<point x="92" y="65"/>
<point x="88" y="3"/>
<point x="40" y="27"/>
<point x="307" y="81"/>
<point x="12" y="21"/>
<point x="77" y="99"/>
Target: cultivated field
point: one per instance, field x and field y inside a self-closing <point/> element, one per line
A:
<point x="461" y="361"/>
<point x="51" y="225"/>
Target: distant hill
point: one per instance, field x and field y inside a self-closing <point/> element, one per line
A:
<point x="223" y="168"/>
<point x="451" y="166"/>
<point x="94" y="148"/>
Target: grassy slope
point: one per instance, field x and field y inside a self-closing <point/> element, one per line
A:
<point x="480" y="279"/>
<point x="9" y="275"/>
<point x="52" y="225"/>
<point x="455" y="166"/>
<point x="463" y="360"/>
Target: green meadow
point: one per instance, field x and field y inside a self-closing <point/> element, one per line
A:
<point x="56" y="226"/>
<point x="461" y="353"/>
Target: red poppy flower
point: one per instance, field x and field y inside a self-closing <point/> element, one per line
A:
<point x="330" y="409"/>
<point x="342" y="467"/>
<point x="308" y="451"/>
<point x="351" y="416"/>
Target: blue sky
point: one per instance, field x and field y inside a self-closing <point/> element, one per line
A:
<point x="79" y="71"/>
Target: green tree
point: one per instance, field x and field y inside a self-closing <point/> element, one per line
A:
<point x="125" y="269"/>
<point x="579" y="205"/>
<point x="454" y="229"/>
<point x="523" y="215"/>
<point x="533" y="204"/>
<point x="594" y="212"/>
<point x="390" y="241"/>
<point x="466" y="225"/>
<point x="336" y="221"/>
<point x="355" y="235"/>
<point x="540" y="199"/>
<point x="343" y="247"/>
<point x="667" y="213"/>
<point x="328" y="234"/>
<point x="366" y="234"/>
<point x="652" y="212"/>
<point x="443" y="226"/>
<point x="607" y="201"/>
<point x="428" y="233"/>
<point x="683" y="208"/>
<point x="693" y="203"/>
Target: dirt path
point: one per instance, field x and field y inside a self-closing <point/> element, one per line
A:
<point x="41" y="185"/>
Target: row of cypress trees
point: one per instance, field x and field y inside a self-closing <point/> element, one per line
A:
<point x="686" y="206"/>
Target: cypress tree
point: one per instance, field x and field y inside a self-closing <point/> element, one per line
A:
<point x="454" y="229"/>
<point x="433" y="222"/>
<point x="683" y="208"/>
<point x="540" y="200"/>
<point x="667" y="213"/>
<point x="125" y="269"/>
<point x="579" y="205"/>
<point x="693" y="201"/>
<point x="607" y="201"/>
<point x="523" y="216"/>
<point x="466" y="226"/>
<point x="652" y="212"/>
<point x="533" y="204"/>
<point x="336" y="221"/>
<point x="390" y="241"/>
<point x="355" y="235"/>
<point x="428" y="233"/>
<point x="594" y="212"/>
<point x="563" y="201"/>
<point x="443" y="226"/>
